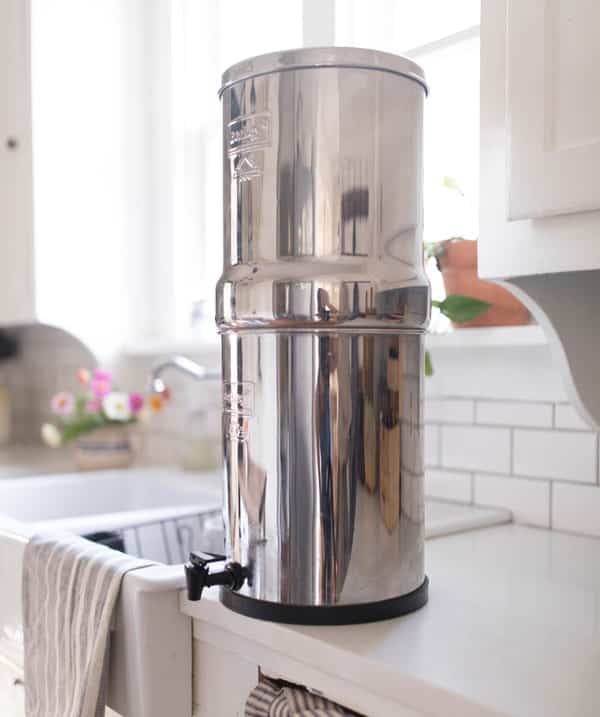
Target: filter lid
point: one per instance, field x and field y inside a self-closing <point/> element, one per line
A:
<point x="313" y="57"/>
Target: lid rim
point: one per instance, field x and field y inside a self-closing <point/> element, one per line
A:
<point x="321" y="57"/>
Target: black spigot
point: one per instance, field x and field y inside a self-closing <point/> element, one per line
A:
<point x="198" y="575"/>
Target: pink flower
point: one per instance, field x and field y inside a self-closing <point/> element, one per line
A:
<point x="101" y="375"/>
<point x="84" y="376"/>
<point x="99" y="387"/>
<point x="136" y="401"/>
<point x="63" y="403"/>
<point x="93" y="405"/>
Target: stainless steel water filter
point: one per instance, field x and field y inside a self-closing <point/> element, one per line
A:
<point x="322" y="307"/>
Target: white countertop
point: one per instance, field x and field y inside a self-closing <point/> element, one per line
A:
<point x="512" y="627"/>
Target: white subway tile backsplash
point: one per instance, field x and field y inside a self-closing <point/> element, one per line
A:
<point x="555" y="454"/>
<point x="449" y="411"/>
<point x="448" y="485"/>
<point x="567" y="417"/>
<point x="527" y="456"/>
<point x="514" y="413"/>
<point x="476" y="448"/>
<point x="528" y="500"/>
<point x="432" y="445"/>
<point x="159" y="447"/>
<point x="46" y="363"/>
<point x="576" y="508"/>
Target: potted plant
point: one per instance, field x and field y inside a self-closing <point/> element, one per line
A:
<point x="456" y="259"/>
<point x="98" y="420"/>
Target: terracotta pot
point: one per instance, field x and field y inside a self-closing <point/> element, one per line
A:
<point x="104" y="448"/>
<point x="458" y="263"/>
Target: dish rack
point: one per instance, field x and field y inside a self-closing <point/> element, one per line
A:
<point x="167" y="540"/>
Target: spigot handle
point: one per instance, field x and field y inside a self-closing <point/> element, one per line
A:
<point x="198" y="575"/>
<point x="200" y="558"/>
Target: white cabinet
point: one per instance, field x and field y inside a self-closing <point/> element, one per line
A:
<point x="540" y="161"/>
<point x="229" y="661"/>
<point x="12" y="693"/>
<point x="540" y="137"/>
<point x="16" y="215"/>
<point x="553" y="65"/>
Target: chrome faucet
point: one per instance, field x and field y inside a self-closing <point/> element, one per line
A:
<point x="183" y="364"/>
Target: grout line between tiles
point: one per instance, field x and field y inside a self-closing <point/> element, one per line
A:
<point x="537" y="402"/>
<point x="452" y="471"/>
<point x="505" y="426"/>
<point x="516" y="476"/>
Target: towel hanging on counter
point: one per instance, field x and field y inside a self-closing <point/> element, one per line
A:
<point x="269" y="699"/>
<point x="70" y="589"/>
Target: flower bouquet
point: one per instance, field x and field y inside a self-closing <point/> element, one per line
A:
<point x="98" y="420"/>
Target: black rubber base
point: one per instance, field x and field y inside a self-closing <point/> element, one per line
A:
<point x="326" y="615"/>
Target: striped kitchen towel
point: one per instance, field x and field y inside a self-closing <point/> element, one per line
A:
<point x="268" y="699"/>
<point x="70" y="589"/>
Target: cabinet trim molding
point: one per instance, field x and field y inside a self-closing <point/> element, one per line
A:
<point x="567" y="307"/>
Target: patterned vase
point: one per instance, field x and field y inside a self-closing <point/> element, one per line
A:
<point x="106" y="447"/>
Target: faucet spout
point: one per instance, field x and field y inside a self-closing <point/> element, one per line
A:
<point x="183" y="364"/>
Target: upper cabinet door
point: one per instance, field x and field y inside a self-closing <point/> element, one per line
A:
<point x="553" y="92"/>
<point x="16" y="184"/>
<point x="540" y="137"/>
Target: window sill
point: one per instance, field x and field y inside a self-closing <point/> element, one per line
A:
<point x="497" y="336"/>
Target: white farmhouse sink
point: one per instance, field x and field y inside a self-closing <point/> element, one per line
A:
<point x="81" y="498"/>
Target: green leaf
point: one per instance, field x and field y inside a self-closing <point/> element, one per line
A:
<point x="451" y="184"/>
<point x="82" y="425"/>
<point x="80" y="405"/>
<point x="428" y="364"/>
<point x="461" y="308"/>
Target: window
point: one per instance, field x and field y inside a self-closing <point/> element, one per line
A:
<point x="208" y="37"/>
<point x="444" y="39"/>
<point x="127" y="141"/>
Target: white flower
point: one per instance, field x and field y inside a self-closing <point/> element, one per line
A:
<point x="51" y="435"/>
<point x="116" y="406"/>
